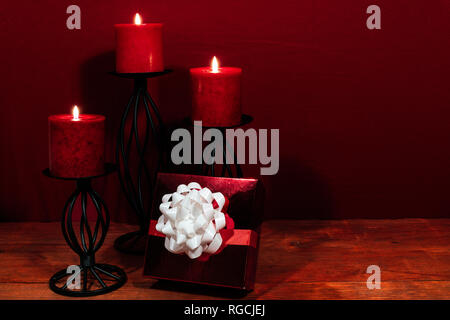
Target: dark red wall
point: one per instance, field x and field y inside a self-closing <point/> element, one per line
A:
<point x="363" y="115"/>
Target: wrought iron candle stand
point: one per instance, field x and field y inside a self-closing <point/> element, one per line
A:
<point x="95" y="278"/>
<point x="133" y="176"/>
<point x="209" y="169"/>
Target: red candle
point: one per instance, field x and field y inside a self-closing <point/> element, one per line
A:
<point x="216" y="95"/>
<point x="76" y="144"/>
<point x="139" y="47"/>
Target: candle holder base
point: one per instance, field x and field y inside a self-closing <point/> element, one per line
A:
<point x="132" y="243"/>
<point x="87" y="278"/>
<point x="141" y="125"/>
<point x="91" y="282"/>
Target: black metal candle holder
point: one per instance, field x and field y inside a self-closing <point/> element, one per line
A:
<point x="95" y="278"/>
<point x="133" y="178"/>
<point x="227" y="169"/>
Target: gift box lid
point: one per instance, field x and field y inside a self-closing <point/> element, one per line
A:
<point x="235" y="265"/>
<point x="245" y="195"/>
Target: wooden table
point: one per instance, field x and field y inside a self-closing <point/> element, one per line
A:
<point x="298" y="260"/>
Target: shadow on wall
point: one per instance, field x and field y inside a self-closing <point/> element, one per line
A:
<point x="297" y="192"/>
<point x="174" y="96"/>
<point x="105" y="94"/>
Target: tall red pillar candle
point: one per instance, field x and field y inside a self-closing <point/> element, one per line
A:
<point x="216" y="95"/>
<point x="76" y="144"/>
<point x="139" y="47"/>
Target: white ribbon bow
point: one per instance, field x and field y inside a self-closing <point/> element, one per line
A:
<point x="190" y="222"/>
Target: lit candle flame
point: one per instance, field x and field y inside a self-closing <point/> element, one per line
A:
<point x="137" y="19"/>
<point x="76" y="113"/>
<point x="214" y="65"/>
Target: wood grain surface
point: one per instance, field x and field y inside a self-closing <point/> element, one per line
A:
<point x="324" y="259"/>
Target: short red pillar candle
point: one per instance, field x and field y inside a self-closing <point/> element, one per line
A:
<point x="139" y="47"/>
<point x="216" y="95"/>
<point x="76" y="145"/>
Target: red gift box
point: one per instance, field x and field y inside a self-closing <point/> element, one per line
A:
<point x="235" y="264"/>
